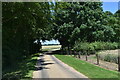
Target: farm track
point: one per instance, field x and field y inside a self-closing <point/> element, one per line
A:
<point x="48" y="66"/>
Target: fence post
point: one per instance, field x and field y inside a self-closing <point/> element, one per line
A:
<point x="79" y="54"/>
<point x="71" y="53"/>
<point x="118" y="63"/>
<point x="119" y="60"/>
<point x="86" y="55"/>
<point x="62" y="52"/>
<point x="97" y="59"/>
<point x="67" y="51"/>
<point x="74" y="53"/>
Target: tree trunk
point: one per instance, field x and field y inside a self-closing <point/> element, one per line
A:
<point x="70" y="52"/>
<point x="118" y="62"/>
<point x="79" y="54"/>
<point x="68" y="49"/>
<point x="97" y="59"/>
<point x="86" y="55"/>
<point x="74" y="53"/>
<point x="62" y="47"/>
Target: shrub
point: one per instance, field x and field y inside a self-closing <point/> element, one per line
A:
<point x="109" y="45"/>
<point x="98" y="45"/>
<point x="110" y="57"/>
<point x="119" y="45"/>
<point x="95" y="46"/>
<point x="81" y="46"/>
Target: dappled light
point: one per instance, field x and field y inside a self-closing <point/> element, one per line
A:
<point x="80" y="34"/>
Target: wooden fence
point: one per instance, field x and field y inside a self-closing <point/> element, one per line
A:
<point x="79" y="55"/>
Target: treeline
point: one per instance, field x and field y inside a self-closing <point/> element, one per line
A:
<point x="23" y="24"/>
<point x="85" y="22"/>
<point x="92" y="47"/>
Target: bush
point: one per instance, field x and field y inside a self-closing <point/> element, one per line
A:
<point x="95" y="46"/>
<point x="82" y="46"/>
<point x="98" y="45"/>
<point x="109" y="46"/>
<point x="110" y="57"/>
<point x="119" y="45"/>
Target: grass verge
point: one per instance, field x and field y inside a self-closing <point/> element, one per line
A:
<point x="23" y="70"/>
<point x="90" y="70"/>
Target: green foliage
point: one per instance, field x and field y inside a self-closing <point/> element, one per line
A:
<point x="110" y="57"/>
<point x="89" y="23"/>
<point x="95" y="46"/>
<point x="78" y="25"/>
<point x="23" y="70"/>
<point x="114" y="22"/>
<point x="83" y="46"/>
<point x="74" y="36"/>
<point x="23" y="23"/>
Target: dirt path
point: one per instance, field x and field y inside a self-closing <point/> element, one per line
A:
<point x="48" y="66"/>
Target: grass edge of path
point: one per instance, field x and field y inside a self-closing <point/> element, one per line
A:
<point x="24" y="70"/>
<point x="89" y="70"/>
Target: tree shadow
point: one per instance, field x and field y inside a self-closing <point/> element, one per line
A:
<point x="41" y="68"/>
<point x="47" y="63"/>
<point x="21" y="69"/>
<point x="60" y="52"/>
<point x="41" y="63"/>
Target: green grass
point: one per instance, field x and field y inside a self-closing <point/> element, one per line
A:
<point x="50" y="47"/>
<point x="86" y="68"/>
<point x="23" y="70"/>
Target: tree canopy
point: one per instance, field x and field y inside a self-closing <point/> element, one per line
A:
<point x="83" y="21"/>
<point x="68" y="22"/>
<point x="23" y="23"/>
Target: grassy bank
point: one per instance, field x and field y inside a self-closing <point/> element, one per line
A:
<point x="86" y="68"/>
<point x="22" y="70"/>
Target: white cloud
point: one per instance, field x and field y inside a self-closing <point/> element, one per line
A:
<point x="50" y="42"/>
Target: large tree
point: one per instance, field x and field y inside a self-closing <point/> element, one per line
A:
<point x="23" y="23"/>
<point x="87" y="21"/>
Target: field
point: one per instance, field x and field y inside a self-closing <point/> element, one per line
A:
<point x="51" y="47"/>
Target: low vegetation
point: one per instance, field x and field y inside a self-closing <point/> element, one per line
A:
<point x="88" y="69"/>
<point x="95" y="46"/>
<point x="109" y="55"/>
<point x="23" y="70"/>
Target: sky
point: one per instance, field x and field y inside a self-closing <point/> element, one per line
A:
<point x="107" y="6"/>
<point x="110" y="6"/>
<point x="50" y="42"/>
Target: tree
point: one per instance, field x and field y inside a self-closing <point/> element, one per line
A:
<point x="23" y="23"/>
<point x="86" y="18"/>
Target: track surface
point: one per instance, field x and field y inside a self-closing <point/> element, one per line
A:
<point x="48" y="66"/>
